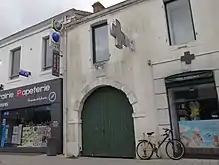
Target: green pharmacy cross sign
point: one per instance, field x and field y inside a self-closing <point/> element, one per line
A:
<point x="120" y="38"/>
<point x="187" y="58"/>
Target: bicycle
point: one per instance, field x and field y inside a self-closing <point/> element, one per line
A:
<point x="178" y="148"/>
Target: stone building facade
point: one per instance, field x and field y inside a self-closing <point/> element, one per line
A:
<point x="174" y="49"/>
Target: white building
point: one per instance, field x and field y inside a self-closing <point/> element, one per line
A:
<point x="170" y="37"/>
<point x="31" y="44"/>
<point x="30" y="102"/>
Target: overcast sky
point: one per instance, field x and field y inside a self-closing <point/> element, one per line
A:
<point x="19" y="14"/>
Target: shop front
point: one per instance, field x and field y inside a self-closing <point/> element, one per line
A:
<point x="194" y="113"/>
<point x="30" y="115"/>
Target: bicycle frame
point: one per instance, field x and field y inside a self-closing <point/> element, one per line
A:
<point x="167" y="135"/>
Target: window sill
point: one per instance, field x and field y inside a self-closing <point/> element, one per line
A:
<point x="46" y="72"/>
<point x="100" y="63"/>
<point x="183" y="46"/>
<point x="13" y="80"/>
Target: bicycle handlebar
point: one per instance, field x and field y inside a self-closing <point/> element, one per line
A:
<point x="165" y="129"/>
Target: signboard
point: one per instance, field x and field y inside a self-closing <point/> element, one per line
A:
<point x="55" y="36"/>
<point x="191" y="76"/>
<point x="24" y="73"/>
<point x="47" y="92"/>
<point x="200" y="133"/>
<point x="54" y="40"/>
<point x="120" y="38"/>
<point x="56" y="64"/>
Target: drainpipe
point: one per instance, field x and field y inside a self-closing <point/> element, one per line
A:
<point x="65" y="94"/>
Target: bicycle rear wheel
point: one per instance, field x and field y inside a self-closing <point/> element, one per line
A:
<point x="175" y="149"/>
<point x="144" y="150"/>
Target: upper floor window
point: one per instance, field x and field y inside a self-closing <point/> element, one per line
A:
<point x="47" y="54"/>
<point x="15" y="63"/>
<point x="100" y="43"/>
<point x="180" y="22"/>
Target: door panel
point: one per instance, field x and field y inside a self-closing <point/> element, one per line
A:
<point x="93" y="126"/>
<point x="107" y="124"/>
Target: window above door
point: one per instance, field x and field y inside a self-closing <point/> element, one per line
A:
<point x="100" y="42"/>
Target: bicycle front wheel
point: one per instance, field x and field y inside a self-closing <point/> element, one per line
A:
<point x="144" y="150"/>
<point x="175" y="149"/>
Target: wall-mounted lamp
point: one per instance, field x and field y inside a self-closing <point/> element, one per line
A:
<point x="1" y="87"/>
<point x="0" y="62"/>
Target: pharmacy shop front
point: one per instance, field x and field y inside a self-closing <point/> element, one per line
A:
<point x="194" y="112"/>
<point x="30" y="115"/>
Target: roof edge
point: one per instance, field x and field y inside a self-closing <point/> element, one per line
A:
<point x="104" y="12"/>
<point x="41" y="24"/>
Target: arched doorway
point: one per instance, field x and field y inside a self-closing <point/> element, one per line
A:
<point x="107" y="124"/>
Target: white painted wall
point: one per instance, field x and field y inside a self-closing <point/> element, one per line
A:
<point x="129" y="69"/>
<point x="166" y="59"/>
<point x="145" y="23"/>
<point x="31" y="59"/>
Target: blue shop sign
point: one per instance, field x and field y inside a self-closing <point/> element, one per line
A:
<point x="24" y="73"/>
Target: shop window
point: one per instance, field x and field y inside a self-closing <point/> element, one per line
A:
<point x="30" y="127"/>
<point x="15" y="63"/>
<point x="100" y="43"/>
<point x="195" y="115"/>
<point x="179" y="21"/>
<point x="47" y="54"/>
<point x="195" y="102"/>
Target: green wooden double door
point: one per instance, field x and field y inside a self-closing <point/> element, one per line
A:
<point x="107" y="125"/>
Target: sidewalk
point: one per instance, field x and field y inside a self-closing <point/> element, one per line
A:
<point x="59" y="160"/>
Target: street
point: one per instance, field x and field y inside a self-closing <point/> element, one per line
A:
<point x="60" y="160"/>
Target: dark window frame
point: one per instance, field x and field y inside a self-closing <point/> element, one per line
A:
<point x="93" y="27"/>
<point x="166" y="2"/>
<point x="12" y="75"/>
<point x="45" y="54"/>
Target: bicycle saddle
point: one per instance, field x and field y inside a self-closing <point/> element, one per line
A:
<point x="150" y="133"/>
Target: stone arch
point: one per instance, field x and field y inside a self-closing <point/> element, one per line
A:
<point x="100" y="82"/>
<point x="78" y="106"/>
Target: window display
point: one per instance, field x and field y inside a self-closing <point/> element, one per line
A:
<point x="29" y="127"/>
<point x="195" y="115"/>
